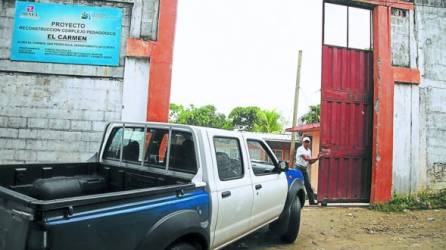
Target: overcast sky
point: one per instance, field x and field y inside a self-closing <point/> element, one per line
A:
<point x="231" y="53"/>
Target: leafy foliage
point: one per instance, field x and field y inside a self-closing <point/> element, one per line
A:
<point x="269" y="122"/>
<point x="175" y="112"/>
<point x="313" y="116"/>
<point x="244" y="118"/>
<point x="241" y="118"/>
<point x="422" y="200"/>
<point x="206" y="116"/>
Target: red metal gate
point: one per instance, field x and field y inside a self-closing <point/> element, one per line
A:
<point x="346" y="125"/>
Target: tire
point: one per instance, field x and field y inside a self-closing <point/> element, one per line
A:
<point x="184" y="246"/>
<point x="294" y="224"/>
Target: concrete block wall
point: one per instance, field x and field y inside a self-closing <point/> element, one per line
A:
<point x="400" y="37"/>
<point x="54" y="118"/>
<point x="419" y="160"/>
<point x="433" y="134"/>
<point x="431" y="39"/>
<point x="56" y="112"/>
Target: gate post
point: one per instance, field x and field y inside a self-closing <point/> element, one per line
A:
<point x="161" y="63"/>
<point x="382" y="152"/>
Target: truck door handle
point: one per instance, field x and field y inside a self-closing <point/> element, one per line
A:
<point x="258" y="186"/>
<point x="226" y="194"/>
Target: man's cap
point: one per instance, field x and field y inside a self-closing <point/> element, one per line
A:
<point x="306" y="139"/>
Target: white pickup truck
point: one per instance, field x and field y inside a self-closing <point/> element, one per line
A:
<point x="152" y="186"/>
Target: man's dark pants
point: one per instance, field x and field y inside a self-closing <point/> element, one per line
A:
<point x="308" y="188"/>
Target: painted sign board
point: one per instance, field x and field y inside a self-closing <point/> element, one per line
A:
<point x="62" y="33"/>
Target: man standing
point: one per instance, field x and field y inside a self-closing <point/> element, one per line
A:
<point x="303" y="161"/>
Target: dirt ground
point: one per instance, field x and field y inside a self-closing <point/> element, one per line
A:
<point x="358" y="228"/>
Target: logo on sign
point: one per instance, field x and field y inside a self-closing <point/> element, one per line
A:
<point x="30" y="13"/>
<point x="85" y="15"/>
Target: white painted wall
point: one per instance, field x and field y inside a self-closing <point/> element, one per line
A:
<point x="406" y="139"/>
<point x="135" y="90"/>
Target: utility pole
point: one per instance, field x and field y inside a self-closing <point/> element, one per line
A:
<point x="296" y="105"/>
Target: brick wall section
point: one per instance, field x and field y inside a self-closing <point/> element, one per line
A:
<point x="433" y="107"/>
<point x="400" y="37"/>
<point x="431" y="3"/>
<point x="431" y="30"/>
<point x="149" y="19"/>
<point x="57" y="112"/>
<point x="54" y="118"/>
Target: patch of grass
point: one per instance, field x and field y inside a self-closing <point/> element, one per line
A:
<point x="422" y="200"/>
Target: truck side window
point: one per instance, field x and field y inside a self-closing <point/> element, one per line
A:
<point x="156" y="147"/>
<point x="229" y="159"/>
<point x="132" y="149"/>
<point x="261" y="161"/>
<point x="113" y="147"/>
<point x="132" y="141"/>
<point x="182" y="153"/>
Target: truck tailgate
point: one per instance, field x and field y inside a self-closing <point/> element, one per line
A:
<point x="13" y="229"/>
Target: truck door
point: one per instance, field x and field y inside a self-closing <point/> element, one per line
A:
<point x="269" y="186"/>
<point x="233" y="187"/>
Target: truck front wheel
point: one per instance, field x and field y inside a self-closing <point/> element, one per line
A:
<point x="294" y="224"/>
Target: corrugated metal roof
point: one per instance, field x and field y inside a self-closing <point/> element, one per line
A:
<point x="305" y="128"/>
<point x="273" y="137"/>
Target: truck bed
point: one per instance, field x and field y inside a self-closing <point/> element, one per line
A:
<point x="136" y="194"/>
<point x="46" y="182"/>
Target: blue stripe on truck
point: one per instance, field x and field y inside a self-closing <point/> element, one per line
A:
<point x="159" y="206"/>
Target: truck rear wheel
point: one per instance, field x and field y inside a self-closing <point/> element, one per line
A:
<point x="294" y="224"/>
<point x="184" y="246"/>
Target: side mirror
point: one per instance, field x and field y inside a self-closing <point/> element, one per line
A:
<point x="283" y="166"/>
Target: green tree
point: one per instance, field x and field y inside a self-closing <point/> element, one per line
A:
<point x="270" y="121"/>
<point x="250" y="118"/>
<point x="175" y="111"/>
<point x="206" y="116"/>
<point x="244" y="118"/>
<point x="313" y="116"/>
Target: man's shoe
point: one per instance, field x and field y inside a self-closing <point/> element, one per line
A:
<point x="313" y="203"/>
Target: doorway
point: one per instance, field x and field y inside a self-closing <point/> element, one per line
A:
<point x="346" y="104"/>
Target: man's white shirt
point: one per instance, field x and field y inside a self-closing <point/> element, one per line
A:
<point x="302" y="151"/>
